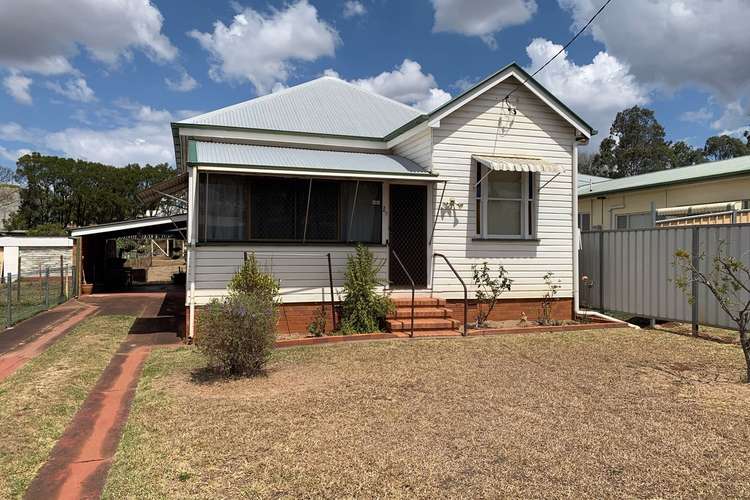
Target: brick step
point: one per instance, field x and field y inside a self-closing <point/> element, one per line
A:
<point x="402" y="301"/>
<point x="404" y="325"/>
<point x="420" y="312"/>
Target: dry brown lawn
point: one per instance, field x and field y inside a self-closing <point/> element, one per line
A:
<point x="611" y="413"/>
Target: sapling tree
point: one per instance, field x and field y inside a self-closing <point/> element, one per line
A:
<point x="489" y="289"/>
<point x="548" y="299"/>
<point x="728" y="280"/>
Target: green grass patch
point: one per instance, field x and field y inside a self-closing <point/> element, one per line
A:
<point x="38" y="401"/>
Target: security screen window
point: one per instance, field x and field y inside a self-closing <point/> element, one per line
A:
<point x="246" y="208"/>
<point x="505" y="204"/>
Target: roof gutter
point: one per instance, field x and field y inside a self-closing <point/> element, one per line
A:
<point x="660" y="184"/>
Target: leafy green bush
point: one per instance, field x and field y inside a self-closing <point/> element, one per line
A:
<point x="317" y="327"/>
<point x="363" y="309"/>
<point x="250" y="279"/>
<point x="237" y="335"/>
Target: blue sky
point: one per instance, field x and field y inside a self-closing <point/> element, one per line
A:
<point x="103" y="83"/>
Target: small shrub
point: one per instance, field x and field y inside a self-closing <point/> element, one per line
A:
<point x="317" y="327"/>
<point x="237" y="335"/>
<point x="363" y="308"/>
<point x="249" y="279"/>
<point x="545" y="317"/>
<point x="489" y="289"/>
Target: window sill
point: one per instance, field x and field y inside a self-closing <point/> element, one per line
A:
<point x="285" y="243"/>
<point x="516" y="240"/>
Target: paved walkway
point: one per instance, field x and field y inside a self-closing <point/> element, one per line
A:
<point x="79" y="462"/>
<point x="33" y="336"/>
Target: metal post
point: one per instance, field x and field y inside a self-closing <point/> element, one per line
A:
<point x="694" y="291"/>
<point x="62" y="280"/>
<point x="9" y="305"/>
<point x="46" y="288"/>
<point x="330" y="282"/>
<point x="74" y="280"/>
<point x="18" y="278"/>
<point x="601" y="270"/>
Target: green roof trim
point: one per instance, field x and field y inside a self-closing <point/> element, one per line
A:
<point x="702" y="172"/>
<point x="192" y="152"/>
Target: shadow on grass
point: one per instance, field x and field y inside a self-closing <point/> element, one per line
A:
<point x="209" y="375"/>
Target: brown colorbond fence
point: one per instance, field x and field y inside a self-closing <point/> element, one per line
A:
<point x="633" y="271"/>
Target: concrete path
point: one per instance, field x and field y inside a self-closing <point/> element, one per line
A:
<point x="33" y="336"/>
<point x="79" y="462"/>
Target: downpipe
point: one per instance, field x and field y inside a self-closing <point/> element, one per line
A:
<point x="585" y="313"/>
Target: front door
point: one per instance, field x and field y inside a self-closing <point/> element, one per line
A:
<point x="407" y="234"/>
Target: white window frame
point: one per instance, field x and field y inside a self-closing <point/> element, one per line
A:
<point x="627" y="220"/>
<point x="525" y="201"/>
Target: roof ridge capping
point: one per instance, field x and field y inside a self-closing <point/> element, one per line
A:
<point x="370" y="93"/>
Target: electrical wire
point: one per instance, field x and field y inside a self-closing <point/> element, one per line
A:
<point x="559" y="51"/>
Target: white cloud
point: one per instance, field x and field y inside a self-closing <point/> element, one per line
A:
<point x="482" y="18"/>
<point x="676" y="42"/>
<point x="464" y="84"/>
<point x="734" y="119"/>
<point x="146" y="138"/>
<point x="261" y="48"/>
<point x="42" y="36"/>
<point x="701" y="115"/>
<point x="185" y="83"/>
<point x="354" y="8"/>
<point x="75" y="89"/>
<point x="12" y="155"/>
<point x="407" y="84"/>
<point x="17" y="86"/>
<point x="596" y="91"/>
<point x="436" y="98"/>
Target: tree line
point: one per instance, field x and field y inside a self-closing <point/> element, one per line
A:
<point x="636" y="144"/>
<point x="58" y="193"/>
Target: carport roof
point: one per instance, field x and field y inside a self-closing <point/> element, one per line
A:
<point x="133" y="226"/>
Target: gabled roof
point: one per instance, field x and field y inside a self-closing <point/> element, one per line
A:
<point x="693" y="173"/>
<point x="325" y="106"/>
<point x="513" y="69"/>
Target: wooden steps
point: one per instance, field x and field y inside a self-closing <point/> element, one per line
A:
<point x="430" y="315"/>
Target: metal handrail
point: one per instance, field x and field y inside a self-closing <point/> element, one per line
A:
<point x="413" y="287"/>
<point x="466" y="291"/>
<point x="330" y="273"/>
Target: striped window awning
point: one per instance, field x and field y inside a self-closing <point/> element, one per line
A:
<point x="517" y="164"/>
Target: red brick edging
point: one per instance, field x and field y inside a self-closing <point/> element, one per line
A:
<point x="333" y="339"/>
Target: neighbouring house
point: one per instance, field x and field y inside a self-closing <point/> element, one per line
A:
<point x="300" y="176"/>
<point x="709" y="193"/>
<point x="35" y="254"/>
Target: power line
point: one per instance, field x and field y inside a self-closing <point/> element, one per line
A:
<point x="561" y="50"/>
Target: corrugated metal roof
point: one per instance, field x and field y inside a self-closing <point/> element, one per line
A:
<point x="704" y="171"/>
<point x="585" y="179"/>
<point x="327" y="106"/>
<point x="250" y="155"/>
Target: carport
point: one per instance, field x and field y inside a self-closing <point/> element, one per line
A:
<point x="97" y="256"/>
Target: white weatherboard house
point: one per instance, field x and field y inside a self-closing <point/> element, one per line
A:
<point x="310" y="171"/>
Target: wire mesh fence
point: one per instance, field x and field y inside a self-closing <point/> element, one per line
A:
<point x="24" y="294"/>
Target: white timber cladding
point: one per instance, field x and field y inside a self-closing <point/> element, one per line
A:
<point x="486" y="126"/>
<point x="417" y="148"/>
<point x="301" y="270"/>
